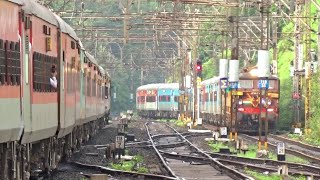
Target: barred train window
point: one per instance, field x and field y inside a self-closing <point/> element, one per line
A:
<point x="2" y="62"/>
<point x="106" y="92"/>
<point x="151" y="98"/>
<point x="69" y="78"/>
<point x="10" y="66"/>
<point x="103" y="91"/>
<point x="83" y="84"/>
<point x="164" y="98"/>
<point x="94" y="88"/>
<point x="88" y="86"/>
<point x="42" y="65"/>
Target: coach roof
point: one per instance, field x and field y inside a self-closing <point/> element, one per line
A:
<point x="32" y="7"/>
<point x="91" y="58"/>
<point x="66" y="28"/>
<point x="20" y="2"/>
<point x="169" y="86"/>
<point x="149" y="87"/>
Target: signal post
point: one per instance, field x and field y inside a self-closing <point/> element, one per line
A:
<point x="197" y="72"/>
<point x="264" y="70"/>
<point x="234" y="67"/>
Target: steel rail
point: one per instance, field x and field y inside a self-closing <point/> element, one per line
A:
<point x="303" y="167"/>
<point x="235" y="163"/>
<point x="158" y="153"/>
<point x="290" y="151"/>
<point x="297" y="143"/>
<point x="119" y="172"/>
<point x="218" y="165"/>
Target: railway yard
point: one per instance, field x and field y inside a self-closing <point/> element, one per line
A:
<point x="159" y="89"/>
<point x="164" y="149"/>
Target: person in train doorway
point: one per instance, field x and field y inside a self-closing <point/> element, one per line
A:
<point x="53" y="78"/>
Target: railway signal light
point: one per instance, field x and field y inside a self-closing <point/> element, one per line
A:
<point x="199" y="69"/>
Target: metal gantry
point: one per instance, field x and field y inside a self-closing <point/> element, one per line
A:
<point x="182" y="24"/>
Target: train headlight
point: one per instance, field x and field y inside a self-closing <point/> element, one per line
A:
<point x="240" y="102"/>
<point x="269" y="102"/>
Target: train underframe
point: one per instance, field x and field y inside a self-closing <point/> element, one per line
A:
<point x="246" y="123"/>
<point x="24" y="161"/>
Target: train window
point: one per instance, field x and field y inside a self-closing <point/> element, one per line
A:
<point x="15" y="64"/>
<point x="9" y="61"/>
<point x="272" y="84"/>
<point x="176" y="98"/>
<point x="106" y="93"/>
<point x="83" y="84"/>
<point x="246" y="84"/>
<point x="206" y="97"/>
<point x="71" y="79"/>
<point x="143" y="99"/>
<point x="2" y="62"/>
<point x="43" y="66"/>
<point x="98" y="90"/>
<point x="73" y="45"/>
<point x="36" y="72"/>
<point x="103" y="91"/>
<point x="69" y="83"/>
<point x="151" y="98"/>
<point x="94" y="88"/>
<point x="88" y="86"/>
<point x="164" y="98"/>
<point x="44" y="29"/>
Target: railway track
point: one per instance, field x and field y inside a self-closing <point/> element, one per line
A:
<point x="254" y="164"/>
<point x="301" y="167"/>
<point x="179" y="168"/>
<point x="119" y="173"/>
<point x="292" y="144"/>
<point x="89" y="171"/>
<point x="295" y="150"/>
<point x="304" y="168"/>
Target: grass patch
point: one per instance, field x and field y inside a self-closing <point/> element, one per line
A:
<point x="294" y="136"/>
<point x="176" y="122"/>
<point x="305" y="139"/>
<point x="215" y="146"/>
<point x="133" y="165"/>
<point x="295" y="159"/>
<point x="251" y="153"/>
<point x="260" y="176"/>
<point x="142" y="170"/>
<point x="180" y="123"/>
<point x="166" y="120"/>
<point x="123" y="165"/>
<point x="312" y="141"/>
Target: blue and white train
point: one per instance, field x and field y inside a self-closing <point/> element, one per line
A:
<point x="158" y="100"/>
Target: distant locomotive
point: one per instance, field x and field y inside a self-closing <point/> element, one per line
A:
<point x="41" y="123"/>
<point x="246" y="105"/>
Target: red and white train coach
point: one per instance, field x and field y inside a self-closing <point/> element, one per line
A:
<point x="41" y="123"/>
